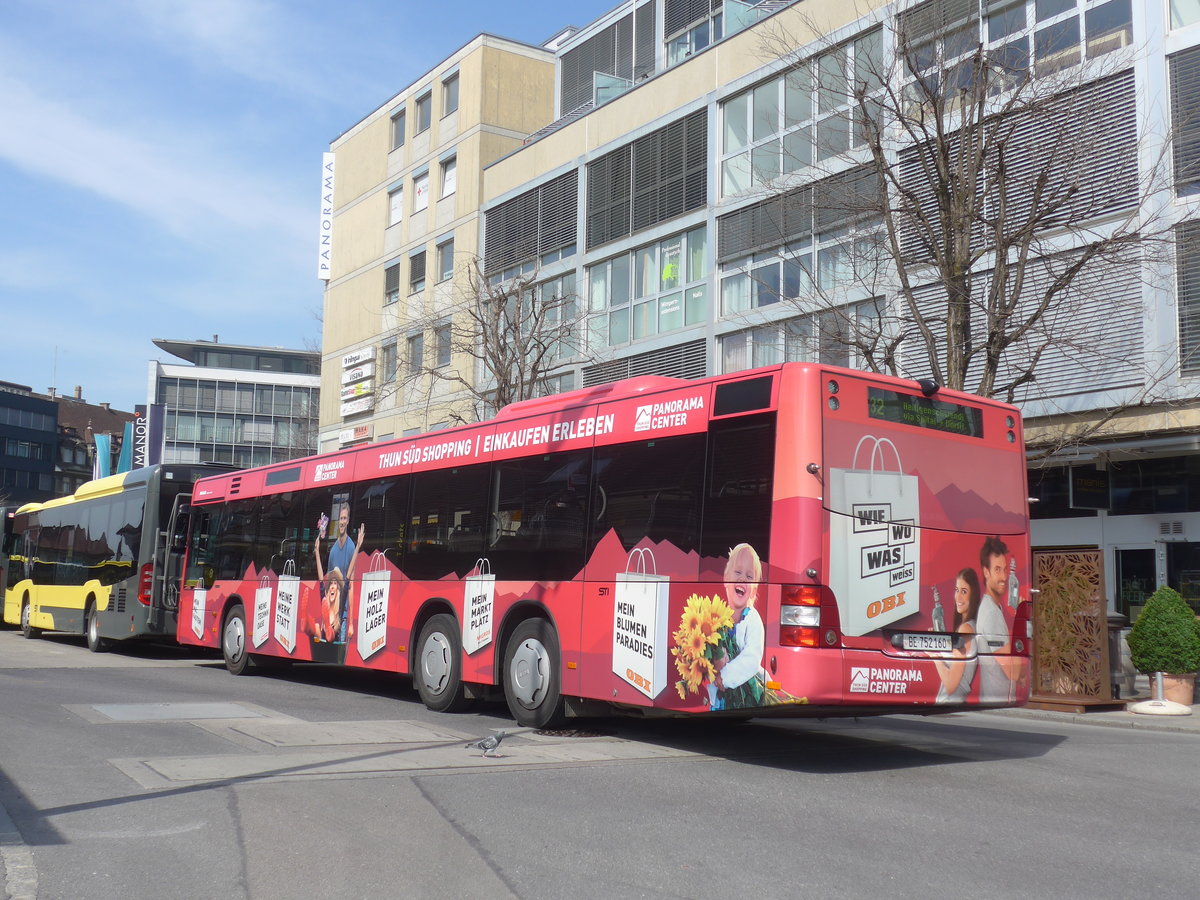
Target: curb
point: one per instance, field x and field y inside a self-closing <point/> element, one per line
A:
<point x="1118" y="719"/>
<point x="18" y="874"/>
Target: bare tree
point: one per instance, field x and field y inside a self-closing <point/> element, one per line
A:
<point x="994" y="207"/>
<point x="494" y="343"/>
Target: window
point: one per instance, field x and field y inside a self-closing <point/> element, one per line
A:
<point x="538" y="516"/>
<point x="828" y="336"/>
<point x="653" y="179"/>
<point x="561" y="316"/>
<point x="556" y="384"/>
<point x="768" y="344"/>
<point x="788" y="123"/>
<point x="1187" y="267"/>
<point x="450" y="95"/>
<point x="445" y="256"/>
<point x="694" y="39"/>
<point x="441" y="344"/>
<point x="656" y="288"/>
<point x="391" y="284"/>
<point x="416" y="272"/>
<point x="398" y="130"/>
<point x="541" y="222"/>
<point x="651" y="489"/>
<point x="1185" y="119"/>
<point x="449" y="176"/>
<point x="415" y="353"/>
<point x="395" y="206"/>
<point x="1184" y="12"/>
<point x="1108" y="27"/>
<point x="424" y="108"/>
<point x="817" y="238"/>
<point x="421" y="191"/>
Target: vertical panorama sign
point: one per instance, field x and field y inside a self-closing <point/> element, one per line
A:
<point x="325" y="249"/>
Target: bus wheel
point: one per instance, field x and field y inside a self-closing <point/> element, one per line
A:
<point x="95" y="643"/>
<point x="532" y="680"/>
<point x="26" y="629"/>
<point x="438" y="673"/>
<point x="233" y="640"/>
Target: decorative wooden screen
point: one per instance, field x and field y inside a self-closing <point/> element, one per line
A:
<point x="1070" y="628"/>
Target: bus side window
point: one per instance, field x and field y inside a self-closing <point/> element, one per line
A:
<point x="234" y="533"/>
<point x="650" y="489"/>
<point x="538" y="516"/>
<point x="381" y="507"/>
<point x="737" y="503"/>
<point x="448" y="516"/>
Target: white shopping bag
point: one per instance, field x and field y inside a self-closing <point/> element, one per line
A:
<point x="479" y="597"/>
<point x="263" y="595"/>
<point x="287" y="606"/>
<point x="371" y="633"/>
<point x="640" y="648"/>
<point x="199" y="599"/>
<point x="874" y="539"/>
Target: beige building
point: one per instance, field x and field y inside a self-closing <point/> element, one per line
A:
<point x="405" y="228"/>
<point x="682" y="165"/>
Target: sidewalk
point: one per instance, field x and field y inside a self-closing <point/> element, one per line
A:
<point x="1121" y="718"/>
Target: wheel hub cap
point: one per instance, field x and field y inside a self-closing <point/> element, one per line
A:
<point x="435" y="662"/>
<point x="528" y="669"/>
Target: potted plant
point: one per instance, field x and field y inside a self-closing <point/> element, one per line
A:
<point x="1166" y="638"/>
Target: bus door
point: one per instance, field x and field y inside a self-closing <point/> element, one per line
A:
<point x="168" y="563"/>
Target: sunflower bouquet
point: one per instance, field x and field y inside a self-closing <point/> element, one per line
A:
<point x="704" y="635"/>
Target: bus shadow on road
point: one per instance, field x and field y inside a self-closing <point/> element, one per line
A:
<point x="813" y="745"/>
<point x="844" y="745"/>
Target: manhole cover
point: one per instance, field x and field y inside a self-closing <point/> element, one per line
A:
<point x="574" y="732"/>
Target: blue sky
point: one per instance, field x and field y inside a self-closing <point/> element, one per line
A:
<point x="160" y="162"/>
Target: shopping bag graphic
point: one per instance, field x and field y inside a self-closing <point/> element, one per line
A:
<point x="640" y="624"/>
<point x="479" y="598"/>
<point x="263" y="594"/>
<point x="287" y="606"/>
<point x="371" y="633"/>
<point x="874" y="538"/>
<point x="199" y="599"/>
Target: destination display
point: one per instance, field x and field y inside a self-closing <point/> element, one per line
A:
<point x="924" y="412"/>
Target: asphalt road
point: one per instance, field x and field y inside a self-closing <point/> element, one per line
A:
<point x="154" y="773"/>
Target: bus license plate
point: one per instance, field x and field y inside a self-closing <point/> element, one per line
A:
<point x="932" y="643"/>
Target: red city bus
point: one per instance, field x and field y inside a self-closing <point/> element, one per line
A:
<point x="795" y="540"/>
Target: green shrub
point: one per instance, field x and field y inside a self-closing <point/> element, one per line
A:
<point x="1166" y="635"/>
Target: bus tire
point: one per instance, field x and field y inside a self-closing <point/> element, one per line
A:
<point x="91" y="628"/>
<point x="233" y="640"/>
<point x="26" y="629"/>
<point x="532" y="675"/>
<point x="438" y="672"/>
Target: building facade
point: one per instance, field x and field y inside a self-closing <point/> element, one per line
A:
<point x="690" y="183"/>
<point x="242" y="405"/>
<point x="28" y="445"/>
<point x="406" y="201"/>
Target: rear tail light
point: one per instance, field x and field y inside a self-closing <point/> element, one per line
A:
<point x="1022" y="634"/>
<point x="800" y="616"/>
<point x="145" y="584"/>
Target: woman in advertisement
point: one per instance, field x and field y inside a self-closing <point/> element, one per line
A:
<point x="958" y="672"/>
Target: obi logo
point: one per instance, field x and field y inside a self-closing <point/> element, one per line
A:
<point x="886" y="605"/>
<point x="642" y="421"/>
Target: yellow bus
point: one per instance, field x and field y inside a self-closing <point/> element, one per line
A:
<point x="105" y="561"/>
